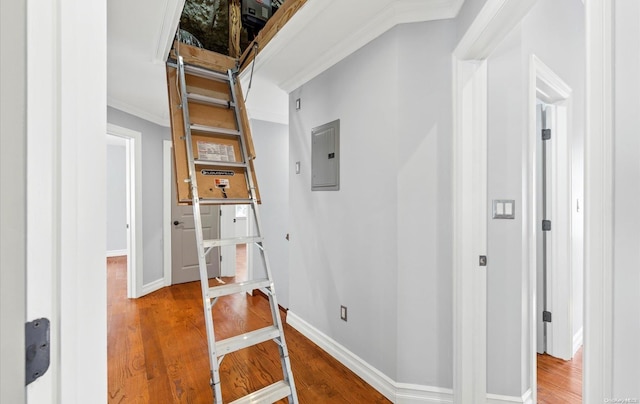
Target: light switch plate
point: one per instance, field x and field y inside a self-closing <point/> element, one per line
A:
<point x="504" y="209"/>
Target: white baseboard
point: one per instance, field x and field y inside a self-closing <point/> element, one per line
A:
<point x="416" y="393"/>
<point x="117" y="253"/>
<point x="399" y="393"/>
<point x="396" y="392"/>
<point x="152" y="287"/>
<point x="577" y="340"/>
<point x="499" y="399"/>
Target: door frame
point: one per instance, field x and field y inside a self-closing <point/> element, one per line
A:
<point x="544" y="84"/>
<point x="597" y="369"/>
<point x="133" y="141"/>
<point x="167" y="156"/>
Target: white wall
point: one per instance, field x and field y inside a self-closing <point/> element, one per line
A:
<point x="116" y="198"/>
<point x="626" y="276"/>
<point x="381" y="245"/>
<point x="507" y="99"/>
<point x="343" y="247"/>
<point x="423" y="146"/>
<point x="152" y="214"/>
<point x="271" y="141"/>
<point x="554" y="31"/>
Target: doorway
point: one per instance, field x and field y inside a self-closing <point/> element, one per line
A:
<point x="130" y="143"/>
<point x="556" y="220"/>
<point x="179" y="247"/>
<point x="233" y="224"/>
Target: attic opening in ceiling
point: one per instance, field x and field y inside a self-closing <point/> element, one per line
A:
<point x="205" y="23"/>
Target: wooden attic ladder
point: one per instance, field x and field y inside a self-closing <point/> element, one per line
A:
<point x="213" y="154"/>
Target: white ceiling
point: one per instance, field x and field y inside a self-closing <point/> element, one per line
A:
<point x="322" y="33"/>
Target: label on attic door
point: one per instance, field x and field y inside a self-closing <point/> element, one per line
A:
<point x="221" y="183"/>
<point x="216" y="152"/>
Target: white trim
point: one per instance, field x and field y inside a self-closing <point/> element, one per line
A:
<point x="152" y="286"/>
<point x="169" y="27"/>
<point x="135" y="272"/>
<point x="396" y="392"/>
<point x="469" y="230"/>
<point x="116" y="253"/>
<point x="140" y="113"/>
<point x="598" y="283"/>
<point x="166" y="210"/>
<point x="578" y="339"/>
<point x="500" y="399"/>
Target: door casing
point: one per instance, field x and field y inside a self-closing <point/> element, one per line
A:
<point x="133" y="141"/>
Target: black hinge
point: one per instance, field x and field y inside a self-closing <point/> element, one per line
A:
<point x="546" y="134"/>
<point x="546" y="225"/>
<point x="37" y="348"/>
<point x="546" y="316"/>
<point x="482" y="261"/>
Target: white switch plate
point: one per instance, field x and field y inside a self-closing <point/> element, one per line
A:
<point x="504" y="209"/>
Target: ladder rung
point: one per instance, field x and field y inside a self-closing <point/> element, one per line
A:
<point x="233" y="288"/>
<point x="205" y="73"/>
<point x="270" y="394"/>
<point x="219" y="163"/>
<point x="225" y="201"/>
<point x="213" y="129"/>
<point x="242" y="341"/>
<point x="231" y="241"/>
<point x="203" y="99"/>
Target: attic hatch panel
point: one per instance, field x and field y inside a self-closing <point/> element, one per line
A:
<point x="205" y="23"/>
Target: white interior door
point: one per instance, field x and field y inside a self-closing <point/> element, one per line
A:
<point x="184" y="253"/>
<point x="242" y="222"/>
<point x="541" y="256"/>
<point x="227" y="230"/>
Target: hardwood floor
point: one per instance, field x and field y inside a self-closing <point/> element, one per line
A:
<point x="157" y="351"/>
<point x="560" y="381"/>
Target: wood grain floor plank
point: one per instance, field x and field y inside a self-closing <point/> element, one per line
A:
<point x="560" y="381"/>
<point x="157" y="349"/>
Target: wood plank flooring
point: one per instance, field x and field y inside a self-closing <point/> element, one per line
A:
<point x="157" y="351"/>
<point x="560" y="381"/>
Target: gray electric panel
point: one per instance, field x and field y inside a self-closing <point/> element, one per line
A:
<point x="325" y="157"/>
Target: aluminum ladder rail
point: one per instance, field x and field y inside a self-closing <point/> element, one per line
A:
<point x="218" y="349"/>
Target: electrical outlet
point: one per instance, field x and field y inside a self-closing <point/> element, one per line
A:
<point x="343" y="313"/>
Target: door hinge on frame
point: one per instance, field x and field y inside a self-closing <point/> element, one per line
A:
<point x="37" y="347"/>
<point x="546" y="225"/>
<point x="482" y="261"/>
<point x="546" y="134"/>
<point x="546" y="316"/>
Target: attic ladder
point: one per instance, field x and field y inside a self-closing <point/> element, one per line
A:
<point x="214" y="148"/>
